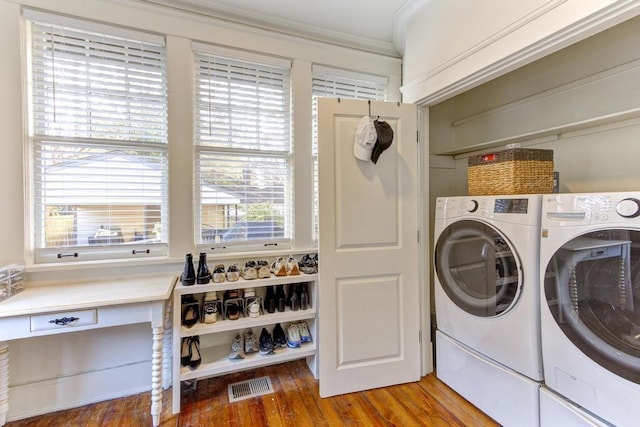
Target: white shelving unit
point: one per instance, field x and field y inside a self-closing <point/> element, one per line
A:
<point x="215" y="351"/>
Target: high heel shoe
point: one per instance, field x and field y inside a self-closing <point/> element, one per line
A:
<point x="194" y="352"/>
<point x="190" y="315"/>
<point x="185" y="356"/>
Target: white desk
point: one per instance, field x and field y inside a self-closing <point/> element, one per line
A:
<point x="55" y="309"/>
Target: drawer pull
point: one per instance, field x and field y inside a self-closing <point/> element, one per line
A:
<point x="64" y="320"/>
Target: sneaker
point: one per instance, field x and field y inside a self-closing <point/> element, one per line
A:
<point x="250" y="342"/>
<point x="249" y="272"/>
<point x="279" y="339"/>
<point x="266" y="342"/>
<point x="308" y="264"/>
<point x="237" y="348"/>
<point x="254" y="309"/>
<point x="292" y="266"/>
<point x="264" y="272"/>
<point x="303" y="330"/>
<point x="279" y="267"/>
<point x="218" y="273"/>
<point x="210" y="311"/>
<point x="249" y="292"/>
<point x="233" y="273"/>
<point x="293" y="336"/>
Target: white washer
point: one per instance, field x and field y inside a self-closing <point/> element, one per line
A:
<point x="487" y="303"/>
<point x="590" y="302"/>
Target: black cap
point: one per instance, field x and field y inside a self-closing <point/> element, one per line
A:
<point x="385" y="138"/>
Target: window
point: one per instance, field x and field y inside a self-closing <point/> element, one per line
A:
<point x="98" y="116"/>
<point x="335" y="83"/>
<point x="243" y="163"/>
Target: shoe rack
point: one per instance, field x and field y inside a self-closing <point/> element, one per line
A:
<point x="216" y="338"/>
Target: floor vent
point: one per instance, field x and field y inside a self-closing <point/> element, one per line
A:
<point x="250" y="388"/>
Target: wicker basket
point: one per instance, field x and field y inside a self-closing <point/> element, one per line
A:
<point x="511" y="171"/>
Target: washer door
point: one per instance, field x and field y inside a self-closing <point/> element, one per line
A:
<point x="478" y="268"/>
<point x="592" y="288"/>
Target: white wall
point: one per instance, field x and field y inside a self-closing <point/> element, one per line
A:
<point x="91" y="367"/>
<point x="453" y="45"/>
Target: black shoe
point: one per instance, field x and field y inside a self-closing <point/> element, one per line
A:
<point x="266" y="342"/>
<point x="279" y="338"/>
<point x="233" y="311"/>
<point x="295" y="299"/>
<point x="190" y="317"/>
<point x="281" y="298"/>
<point x="188" y="276"/>
<point x="194" y="352"/>
<point x="185" y="356"/>
<point x="270" y="300"/>
<point x="304" y="296"/>
<point x="204" y="275"/>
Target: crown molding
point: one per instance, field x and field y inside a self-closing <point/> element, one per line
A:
<point x="282" y="26"/>
<point x="400" y="20"/>
<point x="420" y="90"/>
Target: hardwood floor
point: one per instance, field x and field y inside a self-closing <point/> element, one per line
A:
<point x="296" y="402"/>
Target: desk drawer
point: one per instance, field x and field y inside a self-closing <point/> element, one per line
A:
<point x="66" y="319"/>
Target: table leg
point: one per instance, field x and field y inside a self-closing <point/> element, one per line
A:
<point x="4" y="382"/>
<point x="156" y="376"/>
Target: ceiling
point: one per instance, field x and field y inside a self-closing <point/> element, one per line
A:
<point x="362" y="24"/>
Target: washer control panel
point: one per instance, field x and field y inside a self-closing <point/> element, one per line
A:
<point x="597" y="208"/>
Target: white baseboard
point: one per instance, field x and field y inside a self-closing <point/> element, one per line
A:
<point x="42" y="397"/>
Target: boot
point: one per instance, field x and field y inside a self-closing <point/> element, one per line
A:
<point x="204" y="275"/>
<point x="188" y="277"/>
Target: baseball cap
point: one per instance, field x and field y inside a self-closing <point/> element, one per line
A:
<point x="365" y="139"/>
<point x="384" y="138"/>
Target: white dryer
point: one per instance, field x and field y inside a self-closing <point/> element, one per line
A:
<point x="487" y="303"/>
<point x="590" y="302"/>
<point x="557" y="411"/>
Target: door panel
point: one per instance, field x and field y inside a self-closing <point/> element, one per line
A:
<point x="369" y="293"/>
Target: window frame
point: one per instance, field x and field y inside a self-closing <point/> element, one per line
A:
<point x="286" y="156"/>
<point x="100" y="249"/>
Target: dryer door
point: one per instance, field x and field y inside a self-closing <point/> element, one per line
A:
<point x="478" y="268"/>
<point x="592" y="288"/>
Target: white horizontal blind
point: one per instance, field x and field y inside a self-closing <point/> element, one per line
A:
<point x="243" y="152"/>
<point x="99" y="151"/>
<point x="335" y="83"/>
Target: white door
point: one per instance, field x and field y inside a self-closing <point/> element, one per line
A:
<point x="369" y="308"/>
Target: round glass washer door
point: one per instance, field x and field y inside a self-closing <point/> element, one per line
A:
<point x="592" y="289"/>
<point x="478" y="268"/>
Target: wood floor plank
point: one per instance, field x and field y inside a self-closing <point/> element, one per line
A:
<point x="295" y="402"/>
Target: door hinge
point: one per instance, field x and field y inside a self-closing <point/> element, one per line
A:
<point x="418" y="137"/>
<point x="418" y="236"/>
<point x="420" y="336"/>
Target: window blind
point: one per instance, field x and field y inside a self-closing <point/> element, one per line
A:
<point x="336" y="83"/>
<point x="99" y="142"/>
<point x="243" y="152"/>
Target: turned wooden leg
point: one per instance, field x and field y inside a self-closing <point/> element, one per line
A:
<point x="156" y="376"/>
<point x="4" y="382"/>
